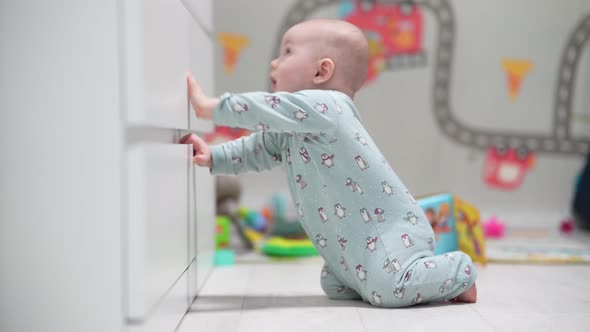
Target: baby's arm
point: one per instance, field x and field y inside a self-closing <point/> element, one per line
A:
<point x="258" y="151"/>
<point x="301" y="112"/>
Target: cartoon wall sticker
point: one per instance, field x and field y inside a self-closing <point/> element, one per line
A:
<point x="505" y="168"/>
<point x="515" y="72"/>
<point x="394" y="31"/>
<point x="233" y="44"/>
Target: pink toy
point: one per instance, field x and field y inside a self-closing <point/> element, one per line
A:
<point x="493" y="227"/>
<point x="566" y="226"/>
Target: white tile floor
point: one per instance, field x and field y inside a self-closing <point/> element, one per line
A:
<point x="287" y="297"/>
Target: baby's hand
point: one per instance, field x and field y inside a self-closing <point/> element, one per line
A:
<point x="203" y="104"/>
<point x="201" y="151"/>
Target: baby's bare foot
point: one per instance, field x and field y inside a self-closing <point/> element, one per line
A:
<point x="469" y="296"/>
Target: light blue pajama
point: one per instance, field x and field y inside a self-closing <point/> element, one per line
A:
<point x="376" y="241"/>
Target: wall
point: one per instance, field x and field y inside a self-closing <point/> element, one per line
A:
<point x="399" y="110"/>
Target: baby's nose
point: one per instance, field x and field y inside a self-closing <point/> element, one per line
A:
<point x="273" y="64"/>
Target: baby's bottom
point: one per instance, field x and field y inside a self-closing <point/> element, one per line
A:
<point x="430" y="279"/>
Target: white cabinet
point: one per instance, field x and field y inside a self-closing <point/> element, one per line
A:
<point x="161" y="37"/>
<point x="157" y="203"/>
<point x="96" y="189"/>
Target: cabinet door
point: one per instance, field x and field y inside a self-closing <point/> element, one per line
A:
<point x="202" y="228"/>
<point x="157" y="195"/>
<point x="201" y="53"/>
<point x="156" y="57"/>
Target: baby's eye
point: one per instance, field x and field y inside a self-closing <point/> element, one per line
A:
<point x="287" y="50"/>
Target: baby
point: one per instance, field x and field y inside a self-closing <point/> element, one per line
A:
<point x="377" y="243"/>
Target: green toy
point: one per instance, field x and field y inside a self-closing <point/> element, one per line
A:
<point x="222" y="232"/>
<point x="278" y="246"/>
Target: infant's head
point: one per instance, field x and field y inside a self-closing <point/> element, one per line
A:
<point x="321" y="54"/>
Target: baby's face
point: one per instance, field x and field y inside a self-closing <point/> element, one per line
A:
<point x="295" y="67"/>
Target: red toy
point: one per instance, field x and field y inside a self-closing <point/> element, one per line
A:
<point x="566" y="226"/>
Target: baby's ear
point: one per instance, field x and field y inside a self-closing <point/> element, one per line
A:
<point x="325" y="71"/>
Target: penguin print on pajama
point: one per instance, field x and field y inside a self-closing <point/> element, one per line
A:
<point x="361" y="163"/>
<point x="408" y="276"/>
<point x="304" y="155"/>
<point x="343" y="263"/>
<point x="339" y="211"/>
<point x="277" y="158"/>
<point x="299" y="211"/>
<point x="399" y="292"/>
<point x="379" y="213"/>
<point x="323" y="215"/>
<point x="240" y="108"/>
<point x="417" y="299"/>
<point x="431" y="244"/>
<point x="361" y="273"/>
<point x="262" y="126"/>
<point x="353" y="186"/>
<point x="273" y="101"/>
<point x="301" y="115"/>
<point x="411" y="217"/>
<point x="299" y="179"/>
<point x="376" y="243"/>
<point x="430" y="265"/>
<point x="321" y="240"/>
<point x="321" y="108"/>
<point x="407" y="241"/>
<point x="372" y="243"/>
<point x="446" y="285"/>
<point x="327" y="160"/>
<point x="236" y="160"/>
<point x="342" y="242"/>
<point x="366" y="215"/>
<point x="361" y="139"/>
<point x="387" y="189"/>
<point x="376" y="298"/>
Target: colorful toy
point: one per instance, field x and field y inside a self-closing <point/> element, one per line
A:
<point x="456" y="225"/>
<point x="279" y="246"/>
<point x="253" y="219"/>
<point x="222" y="232"/>
<point x="224" y="257"/>
<point x="439" y="211"/>
<point x="469" y="230"/>
<point x="494" y="227"/>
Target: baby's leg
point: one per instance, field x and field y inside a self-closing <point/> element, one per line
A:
<point x="334" y="288"/>
<point x="440" y="278"/>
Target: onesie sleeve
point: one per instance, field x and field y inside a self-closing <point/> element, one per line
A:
<point x="308" y="111"/>
<point x="256" y="152"/>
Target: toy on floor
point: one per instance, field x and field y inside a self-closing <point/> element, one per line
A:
<point x="456" y="225"/>
<point x="470" y="232"/>
<point x="223" y="253"/>
<point x="228" y="190"/>
<point x="494" y="228"/>
<point x="566" y="226"/>
<point x="283" y="247"/>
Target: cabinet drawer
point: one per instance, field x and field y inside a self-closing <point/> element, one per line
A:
<point x="202" y="234"/>
<point x="157" y="51"/>
<point x="169" y="312"/>
<point x="158" y="208"/>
